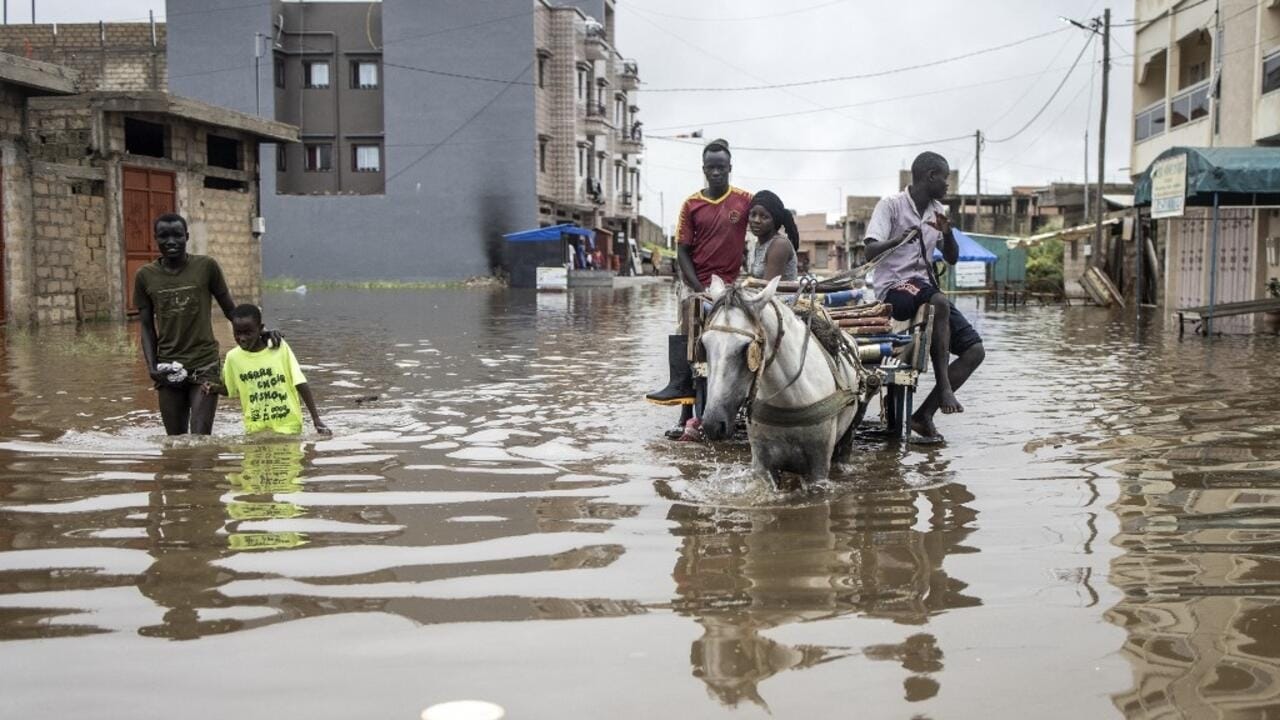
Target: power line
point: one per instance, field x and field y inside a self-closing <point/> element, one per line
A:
<point x="461" y="76"/>
<point x="940" y="91"/>
<point x="821" y="150"/>
<point x="860" y="76"/>
<point x="792" y="93"/>
<point x="1034" y="85"/>
<point x="785" y="13"/>
<point x="1051" y="97"/>
<point x="464" y="124"/>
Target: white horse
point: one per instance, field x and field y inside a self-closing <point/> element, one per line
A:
<point x="803" y="403"/>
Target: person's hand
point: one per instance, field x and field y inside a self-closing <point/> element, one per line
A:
<point x="206" y="387"/>
<point x="941" y="223"/>
<point x="162" y="378"/>
<point x="273" y="338"/>
<point x="322" y="428"/>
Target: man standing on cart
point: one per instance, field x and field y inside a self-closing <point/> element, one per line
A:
<point x="711" y="236"/>
<point x="905" y="279"/>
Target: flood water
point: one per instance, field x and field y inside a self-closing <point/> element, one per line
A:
<point x="503" y="522"/>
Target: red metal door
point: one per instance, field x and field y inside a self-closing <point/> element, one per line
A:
<point x="147" y="195"/>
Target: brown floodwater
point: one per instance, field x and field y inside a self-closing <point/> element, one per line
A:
<point x="496" y="518"/>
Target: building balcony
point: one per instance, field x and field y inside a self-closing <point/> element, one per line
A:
<point x="597" y="121"/>
<point x="1190" y="104"/>
<point x="630" y="76"/>
<point x="597" y="48"/>
<point x="627" y="200"/>
<point x="630" y="144"/>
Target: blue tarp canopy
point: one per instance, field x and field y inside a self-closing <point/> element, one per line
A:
<point x="549" y="233"/>
<point x="1238" y="175"/>
<point x="970" y="250"/>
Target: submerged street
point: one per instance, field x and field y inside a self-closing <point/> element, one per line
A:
<point x="496" y="517"/>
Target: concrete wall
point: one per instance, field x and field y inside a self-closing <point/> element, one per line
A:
<point x="111" y="56"/>
<point x="461" y="154"/>
<point x="341" y="115"/>
<point x="68" y="246"/>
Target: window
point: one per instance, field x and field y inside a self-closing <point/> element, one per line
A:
<point x="222" y="152"/>
<point x="599" y="166"/>
<point x="317" y="74"/>
<point x="1149" y="123"/>
<point x="582" y="84"/>
<point x="619" y="110"/>
<point x="143" y="138"/>
<point x="279" y="71"/>
<point x="364" y="74"/>
<point x="282" y="157"/>
<point x="1271" y="73"/>
<point x="366" y="158"/>
<point x="582" y="161"/>
<point x="617" y="178"/>
<point x="542" y="154"/>
<point x="319" y="157"/>
<point x="1190" y="105"/>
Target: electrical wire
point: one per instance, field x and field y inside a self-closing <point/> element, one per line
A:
<point x="464" y="124"/>
<point x="864" y="103"/>
<point x="859" y="76"/>
<point x="785" y="13"/>
<point x="866" y="148"/>
<point x="1056" y="90"/>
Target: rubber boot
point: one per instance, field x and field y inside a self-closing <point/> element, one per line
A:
<point x="679" y="390"/>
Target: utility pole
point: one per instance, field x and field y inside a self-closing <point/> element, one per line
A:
<point x="1100" y="205"/>
<point x="1086" y="174"/>
<point x="977" y="180"/>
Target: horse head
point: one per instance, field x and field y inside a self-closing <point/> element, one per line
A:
<point x="735" y="345"/>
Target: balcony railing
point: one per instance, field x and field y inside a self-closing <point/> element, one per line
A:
<point x="1190" y="104"/>
<point x="1149" y="122"/>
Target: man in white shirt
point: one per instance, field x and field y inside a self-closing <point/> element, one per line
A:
<point x="905" y="279"/>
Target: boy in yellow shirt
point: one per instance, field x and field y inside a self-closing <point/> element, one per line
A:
<point x="267" y="380"/>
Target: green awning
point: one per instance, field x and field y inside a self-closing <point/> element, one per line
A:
<point x="1238" y="175"/>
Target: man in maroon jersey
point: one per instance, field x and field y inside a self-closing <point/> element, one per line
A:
<point x="711" y="237"/>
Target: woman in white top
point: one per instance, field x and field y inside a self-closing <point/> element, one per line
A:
<point x="775" y="253"/>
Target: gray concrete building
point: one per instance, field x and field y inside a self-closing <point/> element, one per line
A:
<point x="427" y="129"/>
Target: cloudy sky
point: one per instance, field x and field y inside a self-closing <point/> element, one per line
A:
<point x="989" y="65"/>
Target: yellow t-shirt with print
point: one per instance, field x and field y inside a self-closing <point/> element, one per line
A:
<point x="266" y="383"/>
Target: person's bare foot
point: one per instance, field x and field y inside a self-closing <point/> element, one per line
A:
<point x="948" y="403"/>
<point x="925" y="428"/>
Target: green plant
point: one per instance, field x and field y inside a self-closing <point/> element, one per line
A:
<point x="1273" y="287"/>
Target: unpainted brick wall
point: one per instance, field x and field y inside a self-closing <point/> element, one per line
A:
<point x="12" y="102"/>
<point x="226" y="216"/>
<point x="112" y="56"/>
<point x="70" y="238"/>
<point x="61" y="135"/>
<point x="56" y="254"/>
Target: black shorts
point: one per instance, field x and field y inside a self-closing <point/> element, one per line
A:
<point x="905" y="304"/>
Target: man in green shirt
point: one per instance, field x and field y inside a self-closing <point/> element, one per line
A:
<point x="173" y="299"/>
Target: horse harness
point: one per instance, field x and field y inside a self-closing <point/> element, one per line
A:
<point x="762" y="411"/>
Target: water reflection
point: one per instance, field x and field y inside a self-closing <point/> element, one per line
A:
<point x="742" y="572"/>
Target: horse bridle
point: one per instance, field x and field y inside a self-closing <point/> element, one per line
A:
<point x="756" y="361"/>
<point x="822" y="409"/>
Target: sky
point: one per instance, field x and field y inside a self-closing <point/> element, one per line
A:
<point x="1032" y="135"/>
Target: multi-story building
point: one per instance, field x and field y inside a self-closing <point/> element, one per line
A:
<point x="428" y="129"/>
<point x="1208" y="75"/>
<point x="822" y="249"/>
<point x="1204" y="74"/>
